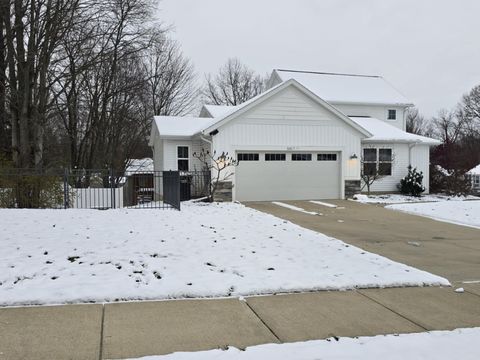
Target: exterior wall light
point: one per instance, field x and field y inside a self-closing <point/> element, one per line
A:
<point x="354" y="157"/>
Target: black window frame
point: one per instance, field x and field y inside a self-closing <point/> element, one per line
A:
<point x="301" y="157"/>
<point x="248" y="157"/>
<point x="392" y="114"/>
<point x="183" y="159"/>
<point x="327" y="157"/>
<point x="275" y="157"/>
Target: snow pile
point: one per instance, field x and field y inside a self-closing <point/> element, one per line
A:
<point x="398" y="199"/>
<point x="435" y="345"/>
<point x="205" y="250"/>
<point x="457" y="212"/>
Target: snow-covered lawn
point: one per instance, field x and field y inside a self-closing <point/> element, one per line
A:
<point x="435" y="345"/>
<point x="59" y="256"/>
<point x="457" y="212"/>
<point x="399" y="199"/>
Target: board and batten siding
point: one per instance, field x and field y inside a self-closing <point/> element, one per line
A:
<point x="291" y="121"/>
<point x="404" y="155"/>
<point x="379" y="112"/>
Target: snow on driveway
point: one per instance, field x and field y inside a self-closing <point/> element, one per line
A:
<point x="435" y="345"/>
<point x="206" y="250"/>
<point x="457" y="212"/>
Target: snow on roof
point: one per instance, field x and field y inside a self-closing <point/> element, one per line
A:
<point x="181" y="125"/>
<point x="385" y="132"/>
<point x="140" y="165"/>
<point x="347" y="88"/>
<point x="219" y="110"/>
<point x="475" y="170"/>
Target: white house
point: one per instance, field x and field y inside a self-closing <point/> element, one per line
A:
<point x="474" y="176"/>
<point x="306" y="137"/>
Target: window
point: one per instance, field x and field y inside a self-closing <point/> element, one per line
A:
<point x="377" y="161"/>
<point x="275" y="157"/>
<point x="385" y="162"/>
<point x="301" y="157"/>
<point x="392" y="114"/>
<point x="327" y="157"/>
<point x="182" y="158"/>
<point x="247" y="157"/>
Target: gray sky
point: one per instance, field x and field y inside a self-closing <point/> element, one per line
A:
<point x="428" y="49"/>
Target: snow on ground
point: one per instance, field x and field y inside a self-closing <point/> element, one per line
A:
<point x="457" y="212"/>
<point x="399" y="199"/>
<point x="205" y="250"/>
<point x="435" y="345"/>
<point x="296" y="208"/>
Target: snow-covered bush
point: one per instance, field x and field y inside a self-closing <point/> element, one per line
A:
<point x="412" y="183"/>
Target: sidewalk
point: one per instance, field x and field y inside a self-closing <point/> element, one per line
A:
<point x="135" y="329"/>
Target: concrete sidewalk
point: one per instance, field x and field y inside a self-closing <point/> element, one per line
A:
<point x="123" y="330"/>
<point x="134" y="329"/>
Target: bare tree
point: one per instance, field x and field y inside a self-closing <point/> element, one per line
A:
<point x="416" y="123"/>
<point x="170" y="78"/>
<point x="218" y="166"/>
<point x="234" y="84"/>
<point x="469" y="112"/>
<point x="33" y="30"/>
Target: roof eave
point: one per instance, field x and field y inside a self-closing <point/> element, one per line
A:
<point x="403" y="141"/>
<point x="337" y="102"/>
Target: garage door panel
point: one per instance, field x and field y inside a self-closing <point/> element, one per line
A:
<point x="287" y="180"/>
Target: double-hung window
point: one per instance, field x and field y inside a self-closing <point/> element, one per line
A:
<point x="183" y="158"/>
<point x="392" y="114"/>
<point x="377" y="162"/>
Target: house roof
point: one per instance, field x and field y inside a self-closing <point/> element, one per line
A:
<point x="475" y="170"/>
<point x="346" y="88"/>
<point x="218" y="110"/>
<point x="181" y="126"/>
<point x="139" y="166"/>
<point x="383" y="131"/>
<point x="239" y="109"/>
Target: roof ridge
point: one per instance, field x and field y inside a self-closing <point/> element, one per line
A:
<point x="328" y="73"/>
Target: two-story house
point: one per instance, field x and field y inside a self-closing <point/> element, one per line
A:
<point x="309" y="136"/>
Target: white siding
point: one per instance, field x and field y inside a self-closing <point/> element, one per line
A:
<point x="420" y="158"/>
<point x="404" y="155"/>
<point x="379" y="112"/>
<point x="292" y="121"/>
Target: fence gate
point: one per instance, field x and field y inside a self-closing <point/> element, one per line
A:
<point x="171" y="188"/>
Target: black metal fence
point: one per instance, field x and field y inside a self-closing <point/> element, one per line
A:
<point x="99" y="188"/>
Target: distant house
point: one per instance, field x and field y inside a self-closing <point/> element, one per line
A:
<point x="303" y="138"/>
<point x="474" y="176"/>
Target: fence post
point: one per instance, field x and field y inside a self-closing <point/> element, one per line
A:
<point x="65" y="189"/>
<point x="112" y="188"/>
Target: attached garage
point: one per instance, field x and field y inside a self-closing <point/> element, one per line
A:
<point x="295" y="175"/>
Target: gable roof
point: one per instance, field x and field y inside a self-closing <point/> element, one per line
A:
<point x="345" y="88"/>
<point x="218" y="110"/>
<point x="242" y="108"/>
<point x="381" y="131"/>
<point x="181" y="126"/>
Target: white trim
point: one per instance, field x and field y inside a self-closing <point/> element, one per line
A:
<point x="188" y="158"/>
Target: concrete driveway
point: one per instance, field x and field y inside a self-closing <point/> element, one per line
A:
<point x="448" y="250"/>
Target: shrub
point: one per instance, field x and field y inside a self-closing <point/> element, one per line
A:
<point x="451" y="182"/>
<point x="412" y="183"/>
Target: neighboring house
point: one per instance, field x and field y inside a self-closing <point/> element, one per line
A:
<point x="303" y="138"/>
<point x="474" y="176"/>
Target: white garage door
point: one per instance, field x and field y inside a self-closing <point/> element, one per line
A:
<point x="263" y="176"/>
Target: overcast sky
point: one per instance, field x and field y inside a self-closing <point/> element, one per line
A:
<point x="428" y="49"/>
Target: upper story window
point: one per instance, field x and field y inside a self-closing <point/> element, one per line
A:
<point x="392" y="114"/>
<point x="247" y="157"/>
<point x="183" y="158"/>
<point x="275" y="157"/>
<point x="301" y="157"/>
